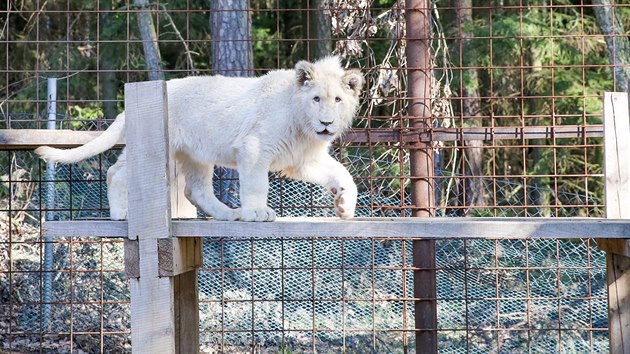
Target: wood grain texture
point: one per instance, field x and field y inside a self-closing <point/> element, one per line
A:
<point x="181" y="207"/>
<point x="182" y="259"/>
<point x="438" y="228"/>
<point x="186" y="312"/>
<point x="153" y="328"/>
<point x="616" y="166"/>
<point x="618" y="275"/>
<point x="148" y="170"/>
<point x="617" y="155"/>
<point x="492" y="228"/>
<point x="617" y="191"/>
<point x="179" y="255"/>
<point x="132" y="258"/>
<point x="85" y="228"/>
<point x="33" y="138"/>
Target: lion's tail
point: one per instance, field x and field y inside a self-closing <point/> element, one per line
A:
<point x="105" y="141"/>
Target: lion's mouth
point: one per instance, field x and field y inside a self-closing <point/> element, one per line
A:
<point x="325" y="132"/>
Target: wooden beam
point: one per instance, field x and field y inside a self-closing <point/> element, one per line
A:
<point x="616" y="166"/>
<point x="180" y="258"/>
<point x="153" y="327"/>
<point x="436" y="228"/>
<point x="186" y="309"/>
<point x="178" y="255"/>
<point x="85" y="228"/>
<point x="164" y="301"/>
<point x="33" y="138"/>
<point x="617" y="193"/>
<point x="132" y="258"/>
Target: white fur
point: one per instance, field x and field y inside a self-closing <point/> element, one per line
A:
<point x="255" y="125"/>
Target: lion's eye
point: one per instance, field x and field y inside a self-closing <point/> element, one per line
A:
<point x="316" y="98"/>
<point x="337" y="99"/>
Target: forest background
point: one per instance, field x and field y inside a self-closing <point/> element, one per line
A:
<point x="497" y="63"/>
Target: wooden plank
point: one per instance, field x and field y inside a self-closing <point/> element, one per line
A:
<point x="152" y="303"/>
<point x="186" y="312"/>
<point x="132" y="258"/>
<point x="164" y="301"/>
<point x="618" y="274"/>
<point x="617" y="192"/>
<point x="616" y="166"/>
<point x="85" y="228"/>
<point x="181" y="207"/>
<point x="438" y="228"/>
<point x="620" y="246"/>
<point x="33" y="138"/>
<point x="178" y="255"/>
<point x="148" y="170"/>
<point x="180" y="258"/>
<point x="616" y="154"/>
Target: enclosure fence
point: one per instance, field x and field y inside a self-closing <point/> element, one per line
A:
<point x="471" y="109"/>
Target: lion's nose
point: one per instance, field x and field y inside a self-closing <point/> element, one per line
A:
<point x="326" y="123"/>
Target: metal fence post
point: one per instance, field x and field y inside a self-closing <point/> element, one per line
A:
<point x="419" y="72"/>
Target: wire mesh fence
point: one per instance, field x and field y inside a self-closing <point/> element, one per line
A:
<point x="509" y="67"/>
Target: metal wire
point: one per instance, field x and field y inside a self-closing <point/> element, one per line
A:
<point x="525" y="139"/>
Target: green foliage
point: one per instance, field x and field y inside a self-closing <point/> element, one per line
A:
<point x="536" y="66"/>
<point x="83" y="112"/>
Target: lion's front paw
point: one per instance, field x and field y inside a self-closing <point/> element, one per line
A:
<point x="345" y="201"/>
<point x="228" y="215"/>
<point x="258" y="214"/>
<point x="117" y="213"/>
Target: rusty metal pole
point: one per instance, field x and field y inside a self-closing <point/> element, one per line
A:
<point x="419" y="72"/>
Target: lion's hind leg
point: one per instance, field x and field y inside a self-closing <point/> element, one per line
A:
<point x="199" y="191"/>
<point x="117" y="188"/>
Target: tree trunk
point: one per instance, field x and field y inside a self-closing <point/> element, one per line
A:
<point x="320" y="23"/>
<point x="149" y="41"/>
<point x="470" y="107"/>
<point x="232" y="55"/>
<point x="611" y="26"/>
<point x="231" y="25"/>
<point x="107" y="63"/>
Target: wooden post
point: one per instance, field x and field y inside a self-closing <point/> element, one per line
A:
<point x="617" y="172"/>
<point x="164" y="306"/>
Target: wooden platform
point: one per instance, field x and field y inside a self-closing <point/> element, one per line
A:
<point x="429" y="228"/>
<point x="163" y="251"/>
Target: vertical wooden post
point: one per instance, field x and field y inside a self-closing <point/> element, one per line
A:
<point x="419" y="74"/>
<point x="617" y="172"/>
<point x="164" y="307"/>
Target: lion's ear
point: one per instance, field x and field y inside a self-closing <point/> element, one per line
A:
<point x="305" y="72"/>
<point x="354" y="80"/>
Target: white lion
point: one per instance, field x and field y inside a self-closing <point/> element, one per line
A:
<point x="283" y="121"/>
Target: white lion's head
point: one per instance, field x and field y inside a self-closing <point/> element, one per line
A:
<point x="329" y="96"/>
